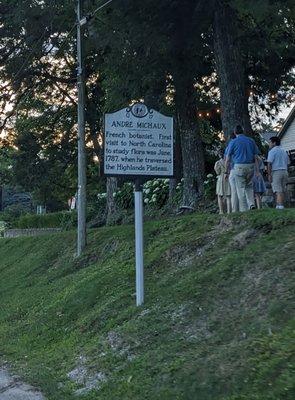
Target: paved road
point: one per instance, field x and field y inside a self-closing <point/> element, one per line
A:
<point x="12" y="388"/>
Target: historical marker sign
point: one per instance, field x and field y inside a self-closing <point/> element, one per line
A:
<point x="138" y="142"/>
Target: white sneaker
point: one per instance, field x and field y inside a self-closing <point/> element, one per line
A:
<point x="279" y="207"/>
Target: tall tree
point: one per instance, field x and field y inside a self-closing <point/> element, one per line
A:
<point x="231" y="69"/>
<point x="148" y="46"/>
<point x="157" y="51"/>
<point x="186" y="69"/>
<point x="252" y="57"/>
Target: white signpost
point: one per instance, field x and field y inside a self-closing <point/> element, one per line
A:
<point x="138" y="143"/>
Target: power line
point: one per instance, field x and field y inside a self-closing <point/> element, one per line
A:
<point x="30" y="53"/>
<point x="100" y="7"/>
<point x="59" y="49"/>
<point x="88" y="17"/>
<point x="35" y="46"/>
<point x="33" y="49"/>
<point x="84" y="20"/>
<point x="66" y="39"/>
<point x="36" y="84"/>
<point x="63" y="43"/>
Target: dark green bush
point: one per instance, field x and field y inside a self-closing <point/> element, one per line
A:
<point x="12" y="213"/>
<point x="64" y="220"/>
<point x="210" y="187"/>
<point x="125" y="197"/>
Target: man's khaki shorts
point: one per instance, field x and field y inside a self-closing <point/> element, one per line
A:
<point x="279" y="180"/>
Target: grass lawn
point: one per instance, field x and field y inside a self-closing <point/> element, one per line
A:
<point x="216" y="324"/>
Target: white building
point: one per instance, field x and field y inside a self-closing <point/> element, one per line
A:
<point x="287" y="133"/>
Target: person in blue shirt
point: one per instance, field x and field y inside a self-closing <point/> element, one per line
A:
<point x="232" y="182"/>
<point x="243" y="153"/>
<point x="278" y="161"/>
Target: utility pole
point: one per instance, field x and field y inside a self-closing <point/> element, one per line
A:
<point x="81" y="206"/>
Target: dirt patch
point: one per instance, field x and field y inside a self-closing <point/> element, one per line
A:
<point x="119" y="345"/>
<point x="88" y="380"/>
<point x="256" y="293"/>
<point x="193" y="328"/>
<point x="184" y="255"/>
<point x="180" y="313"/>
<point x="225" y="225"/>
<point x="243" y="238"/>
<point x="198" y="330"/>
<point x="12" y="388"/>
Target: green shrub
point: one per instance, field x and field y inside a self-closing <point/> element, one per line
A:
<point x="156" y="192"/>
<point x="155" y="195"/>
<point x="12" y="213"/>
<point x="96" y="210"/>
<point x="3" y="227"/>
<point x="124" y="196"/>
<point x="68" y="220"/>
<point x="210" y="187"/>
<point x="64" y="220"/>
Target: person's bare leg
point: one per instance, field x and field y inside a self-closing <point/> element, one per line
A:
<point x="280" y="199"/>
<point x="220" y="204"/>
<point x="228" y="204"/>
<point x="258" y="200"/>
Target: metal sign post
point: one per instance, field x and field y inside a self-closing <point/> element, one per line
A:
<point x="138" y="203"/>
<point x="138" y="143"/>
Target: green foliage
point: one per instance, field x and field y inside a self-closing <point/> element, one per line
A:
<point x="12" y="213"/>
<point x="269" y="376"/>
<point x="65" y="220"/>
<point x="156" y="192"/>
<point x="97" y="209"/>
<point x="210" y="327"/>
<point x="125" y="196"/>
<point x="3" y="227"/>
<point x="159" y="59"/>
<point x="210" y="187"/>
<point x="42" y="165"/>
<point x="102" y="199"/>
<point x="6" y="160"/>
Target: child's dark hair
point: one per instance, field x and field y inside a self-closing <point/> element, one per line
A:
<point x="239" y="130"/>
<point x="276" y="140"/>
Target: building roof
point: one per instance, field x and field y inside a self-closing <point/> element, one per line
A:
<point x="287" y="123"/>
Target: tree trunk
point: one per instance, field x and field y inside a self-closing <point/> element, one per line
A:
<point x="231" y="71"/>
<point x="184" y="74"/>
<point x="172" y="189"/>
<point x="177" y="166"/>
<point x="200" y="164"/>
<point x="193" y="165"/>
<point x="112" y="210"/>
<point x="191" y="143"/>
<point x="153" y="96"/>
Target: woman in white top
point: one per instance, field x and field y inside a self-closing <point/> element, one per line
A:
<point x="222" y="187"/>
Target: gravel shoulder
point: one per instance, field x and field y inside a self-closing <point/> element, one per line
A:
<point x="12" y="388"/>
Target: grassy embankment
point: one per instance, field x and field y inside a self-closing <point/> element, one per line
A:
<point x="216" y="325"/>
